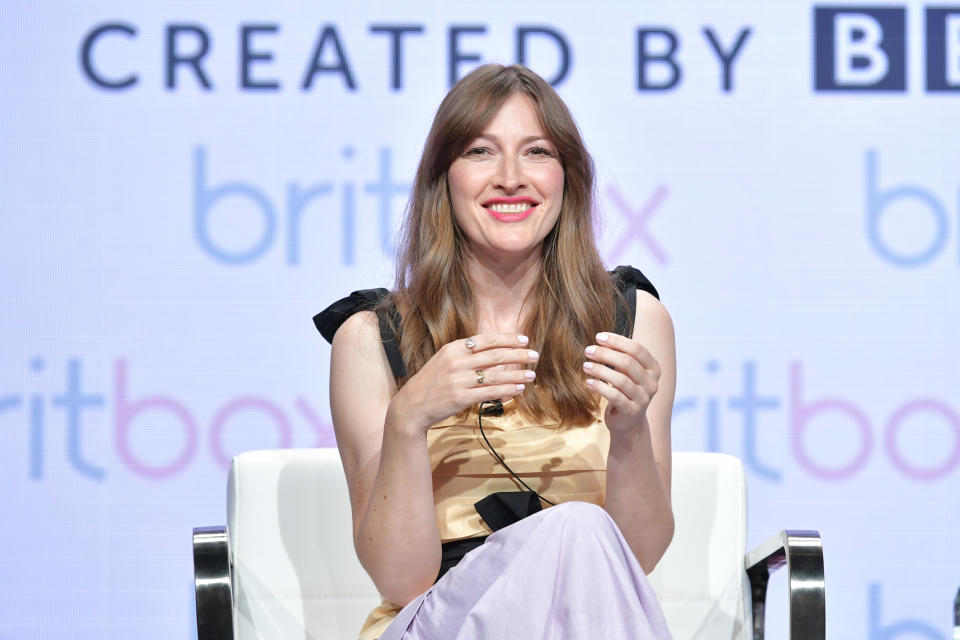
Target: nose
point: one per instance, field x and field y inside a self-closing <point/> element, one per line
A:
<point x="509" y="175"/>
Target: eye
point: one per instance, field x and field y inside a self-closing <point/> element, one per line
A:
<point x="476" y="151"/>
<point x="541" y="151"/>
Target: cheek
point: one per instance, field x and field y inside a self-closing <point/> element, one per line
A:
<point x="463" y="184"/>
<point x="553" y="185"/>
<point x="551" y="179"/>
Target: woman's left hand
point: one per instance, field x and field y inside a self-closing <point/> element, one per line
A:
<point x="628" y="387"/>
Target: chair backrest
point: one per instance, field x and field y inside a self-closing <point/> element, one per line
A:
<point x="700" y="581"/>
<point x="295" y="573"/>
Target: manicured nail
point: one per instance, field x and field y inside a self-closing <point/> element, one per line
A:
<point x="591" y="350"/>
<point x="521" y="387"/>
<point x="529" y="375"/>
<point x="602" y="337"/>
<point x="588" y="365"/>
<point x="523" y="339"/>
<point x="589" y="382"/>
<point x="533" y="355"/>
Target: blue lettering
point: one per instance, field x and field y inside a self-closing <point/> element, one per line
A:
<point x="878" y="200"/>
<point x="204" y="200"/>
<point x="73" y="401"/>
<point x="904" y="628"/>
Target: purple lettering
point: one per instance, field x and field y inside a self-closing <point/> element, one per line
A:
<point x="638" y="221"/>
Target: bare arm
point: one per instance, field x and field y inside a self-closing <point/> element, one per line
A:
<point x="387" y="469"/>
<point x="381" y="435"/>
<point x="640" y="403"/>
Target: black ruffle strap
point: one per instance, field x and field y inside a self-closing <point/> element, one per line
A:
<point x="331" y="318"/>
<point x="627" y="280"/>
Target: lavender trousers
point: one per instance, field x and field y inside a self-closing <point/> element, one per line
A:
<point x="565" y="572"/>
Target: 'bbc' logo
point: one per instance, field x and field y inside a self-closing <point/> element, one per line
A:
<point x="864" y="48"/>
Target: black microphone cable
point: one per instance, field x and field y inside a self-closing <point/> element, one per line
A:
<point x="496" y="409"/>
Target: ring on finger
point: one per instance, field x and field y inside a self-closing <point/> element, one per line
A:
<point x="471" y="343"/>
<point x="480" y="374"/>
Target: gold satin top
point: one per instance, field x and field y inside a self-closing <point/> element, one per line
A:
<point x="561" y="462"/>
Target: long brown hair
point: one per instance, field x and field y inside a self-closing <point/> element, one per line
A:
<point x="574" y="297"/>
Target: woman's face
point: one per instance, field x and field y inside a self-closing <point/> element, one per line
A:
<point x="507" y="185"/>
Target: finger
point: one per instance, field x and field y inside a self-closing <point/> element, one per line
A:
<point x="613" y="395"/>
<point x="619" y="360"/>
<point x="631" y="390"/>
<point x="484" y="341"/>
<point x="498" y="356"/>
<point x="495" y="392"/>
<point x="627" y="345"/>
<point x="505" y="376"/>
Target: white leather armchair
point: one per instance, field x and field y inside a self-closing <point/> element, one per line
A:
<point x="285" y="567"/>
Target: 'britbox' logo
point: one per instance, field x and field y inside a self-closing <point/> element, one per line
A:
<point x="864" y="48"/>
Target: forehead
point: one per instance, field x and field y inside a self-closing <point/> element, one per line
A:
<point x="517" y="116"/>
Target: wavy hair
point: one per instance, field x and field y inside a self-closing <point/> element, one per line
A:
<point x="574" y="296"/>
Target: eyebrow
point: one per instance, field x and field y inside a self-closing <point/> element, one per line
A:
<point x="526" y="140"/>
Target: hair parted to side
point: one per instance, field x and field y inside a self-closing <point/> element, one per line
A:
<point x="574" y="297"/>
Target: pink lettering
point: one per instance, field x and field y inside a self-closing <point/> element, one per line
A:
<point x="893" y="427"/>
<point x="124" y="414"/>
<point x="800" y="415"/>
<point x="241" y="404"/>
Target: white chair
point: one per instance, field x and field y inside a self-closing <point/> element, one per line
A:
<point x="285" y="567"/>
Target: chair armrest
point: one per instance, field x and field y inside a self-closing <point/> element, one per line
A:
<point x="212" y="582"/>
<point x="802" y="552"/>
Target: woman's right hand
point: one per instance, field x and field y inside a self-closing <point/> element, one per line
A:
<point x="449" y="382"/>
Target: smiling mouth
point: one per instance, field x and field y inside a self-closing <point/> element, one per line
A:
<point x="511" y="211"/>
<point x="516" y="207"/>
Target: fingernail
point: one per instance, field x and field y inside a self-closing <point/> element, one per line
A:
<point x="529" y="375"/>
<point x="591" y="350"/>
<point x="588" y="365"/>
<point x="521" y="387"/>
<point x="589" y="382"/>
<point x="523" y="339"/>
<point x="602" y="337"/>
<point x="533" y="354"/>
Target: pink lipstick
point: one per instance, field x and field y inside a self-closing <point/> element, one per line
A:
<point x="510" y="209"/>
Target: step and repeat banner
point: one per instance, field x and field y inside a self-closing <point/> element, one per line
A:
<point x="183" y="185"/>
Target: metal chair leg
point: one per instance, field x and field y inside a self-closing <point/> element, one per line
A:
<point x="802" y="552"/>
<point x="212" y="580"/>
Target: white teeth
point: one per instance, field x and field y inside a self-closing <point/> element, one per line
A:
<point x="510" y="208"/>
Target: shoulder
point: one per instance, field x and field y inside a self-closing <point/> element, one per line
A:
<point x="651" y="320"/>
<point x="632" y="287"/>
<point x="653" y="328"/>
<point x="333" y="317"/>
<point x="626" y="277"/>
<point x="360" y="328"/>
<point x="358" y="362"/>
<point x="651" y="317"/>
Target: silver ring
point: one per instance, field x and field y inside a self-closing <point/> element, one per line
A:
<point x="479" y="377"/>
<point x="471" y="343"/>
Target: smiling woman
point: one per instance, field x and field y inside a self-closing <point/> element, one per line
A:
<point x="507" y="188"/>
<point x="504" y="320"/>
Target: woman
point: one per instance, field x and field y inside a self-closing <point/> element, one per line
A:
<point x="501" y="296"/>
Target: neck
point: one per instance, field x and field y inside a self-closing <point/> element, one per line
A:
<point x="502" y="288"/>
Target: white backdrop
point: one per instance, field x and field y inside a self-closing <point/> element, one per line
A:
<point x="165" y="243"/>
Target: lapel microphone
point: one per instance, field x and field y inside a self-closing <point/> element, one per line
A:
<point x="495" y="408"/>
